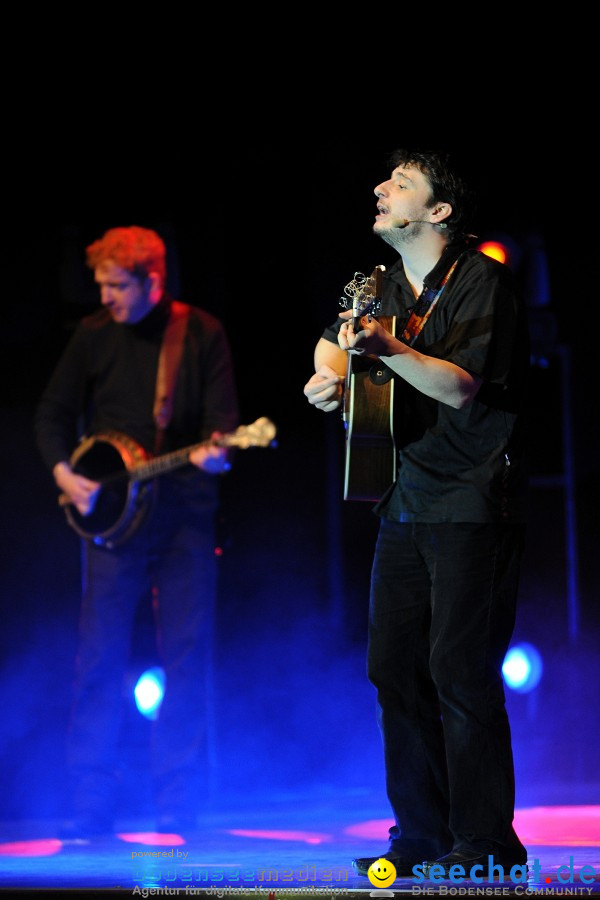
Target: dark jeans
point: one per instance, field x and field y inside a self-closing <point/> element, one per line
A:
<point x="172" y="559"/>
<point x="443" y="600"/>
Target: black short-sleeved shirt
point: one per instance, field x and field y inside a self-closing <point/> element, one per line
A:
<point x="461" y="465"/>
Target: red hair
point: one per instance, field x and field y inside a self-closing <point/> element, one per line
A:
<point x="139" y="250"/>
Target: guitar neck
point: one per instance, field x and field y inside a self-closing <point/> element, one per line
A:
<point x="366" y="302"/>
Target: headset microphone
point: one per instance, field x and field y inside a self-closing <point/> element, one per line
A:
<point x="402" y="223"/>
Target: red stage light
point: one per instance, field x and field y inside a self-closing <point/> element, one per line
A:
<point x="308" y="837"/>
<point x="40" y="847"/>
<point x="495" y="250"/>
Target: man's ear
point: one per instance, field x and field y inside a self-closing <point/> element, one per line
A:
<point x="440" y="212"/>
<point x="155" y="287"/>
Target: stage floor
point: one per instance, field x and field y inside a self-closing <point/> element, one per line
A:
<point x="278" y="849"/>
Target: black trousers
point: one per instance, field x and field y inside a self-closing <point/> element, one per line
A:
<point x="443" y="600"/>
<point x="172" y="559"/>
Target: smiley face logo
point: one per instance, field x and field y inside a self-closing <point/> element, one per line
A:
<point x="381" y="873"/>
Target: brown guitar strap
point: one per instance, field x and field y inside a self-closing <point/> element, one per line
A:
<point x="168" y="367"/>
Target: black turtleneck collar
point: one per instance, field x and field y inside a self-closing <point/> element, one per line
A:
<point x="156" y="320"/>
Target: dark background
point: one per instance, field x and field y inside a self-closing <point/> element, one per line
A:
<point x="265" y="232"/>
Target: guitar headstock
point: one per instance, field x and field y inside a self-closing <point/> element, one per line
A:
<point x="260" y="433"/>
<point x="363" y="293"/>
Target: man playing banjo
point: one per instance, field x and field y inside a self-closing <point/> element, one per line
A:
<point x="159" y="372"/>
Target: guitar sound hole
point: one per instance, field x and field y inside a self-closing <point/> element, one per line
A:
<point x="380" y="374"/>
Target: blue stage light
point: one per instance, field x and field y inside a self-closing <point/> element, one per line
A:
<point x="522" y="668"/>
<point x="149" y="692"/>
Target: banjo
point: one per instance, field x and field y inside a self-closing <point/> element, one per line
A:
<point x="126" y="472"/>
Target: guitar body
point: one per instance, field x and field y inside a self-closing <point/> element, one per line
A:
<point x="122" y="502"/>
<point x="127" y="475"/>
<point x="368" y="411"/>
<point x="370" y="453"/>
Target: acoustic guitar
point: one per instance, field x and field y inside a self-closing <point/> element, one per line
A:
<point x="367" y="410"/>
<point x="127" y="472"/>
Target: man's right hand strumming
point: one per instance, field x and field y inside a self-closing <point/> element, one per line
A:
<point x="76" y="489"/>
<point x="324" y="390"/>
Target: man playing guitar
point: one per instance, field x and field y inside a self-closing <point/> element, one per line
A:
<point x="446" y="565"/>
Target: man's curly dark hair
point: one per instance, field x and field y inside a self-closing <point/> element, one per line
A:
<point x="446" y="186"/>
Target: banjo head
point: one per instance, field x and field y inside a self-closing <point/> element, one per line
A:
<point x="121" y="502"/>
